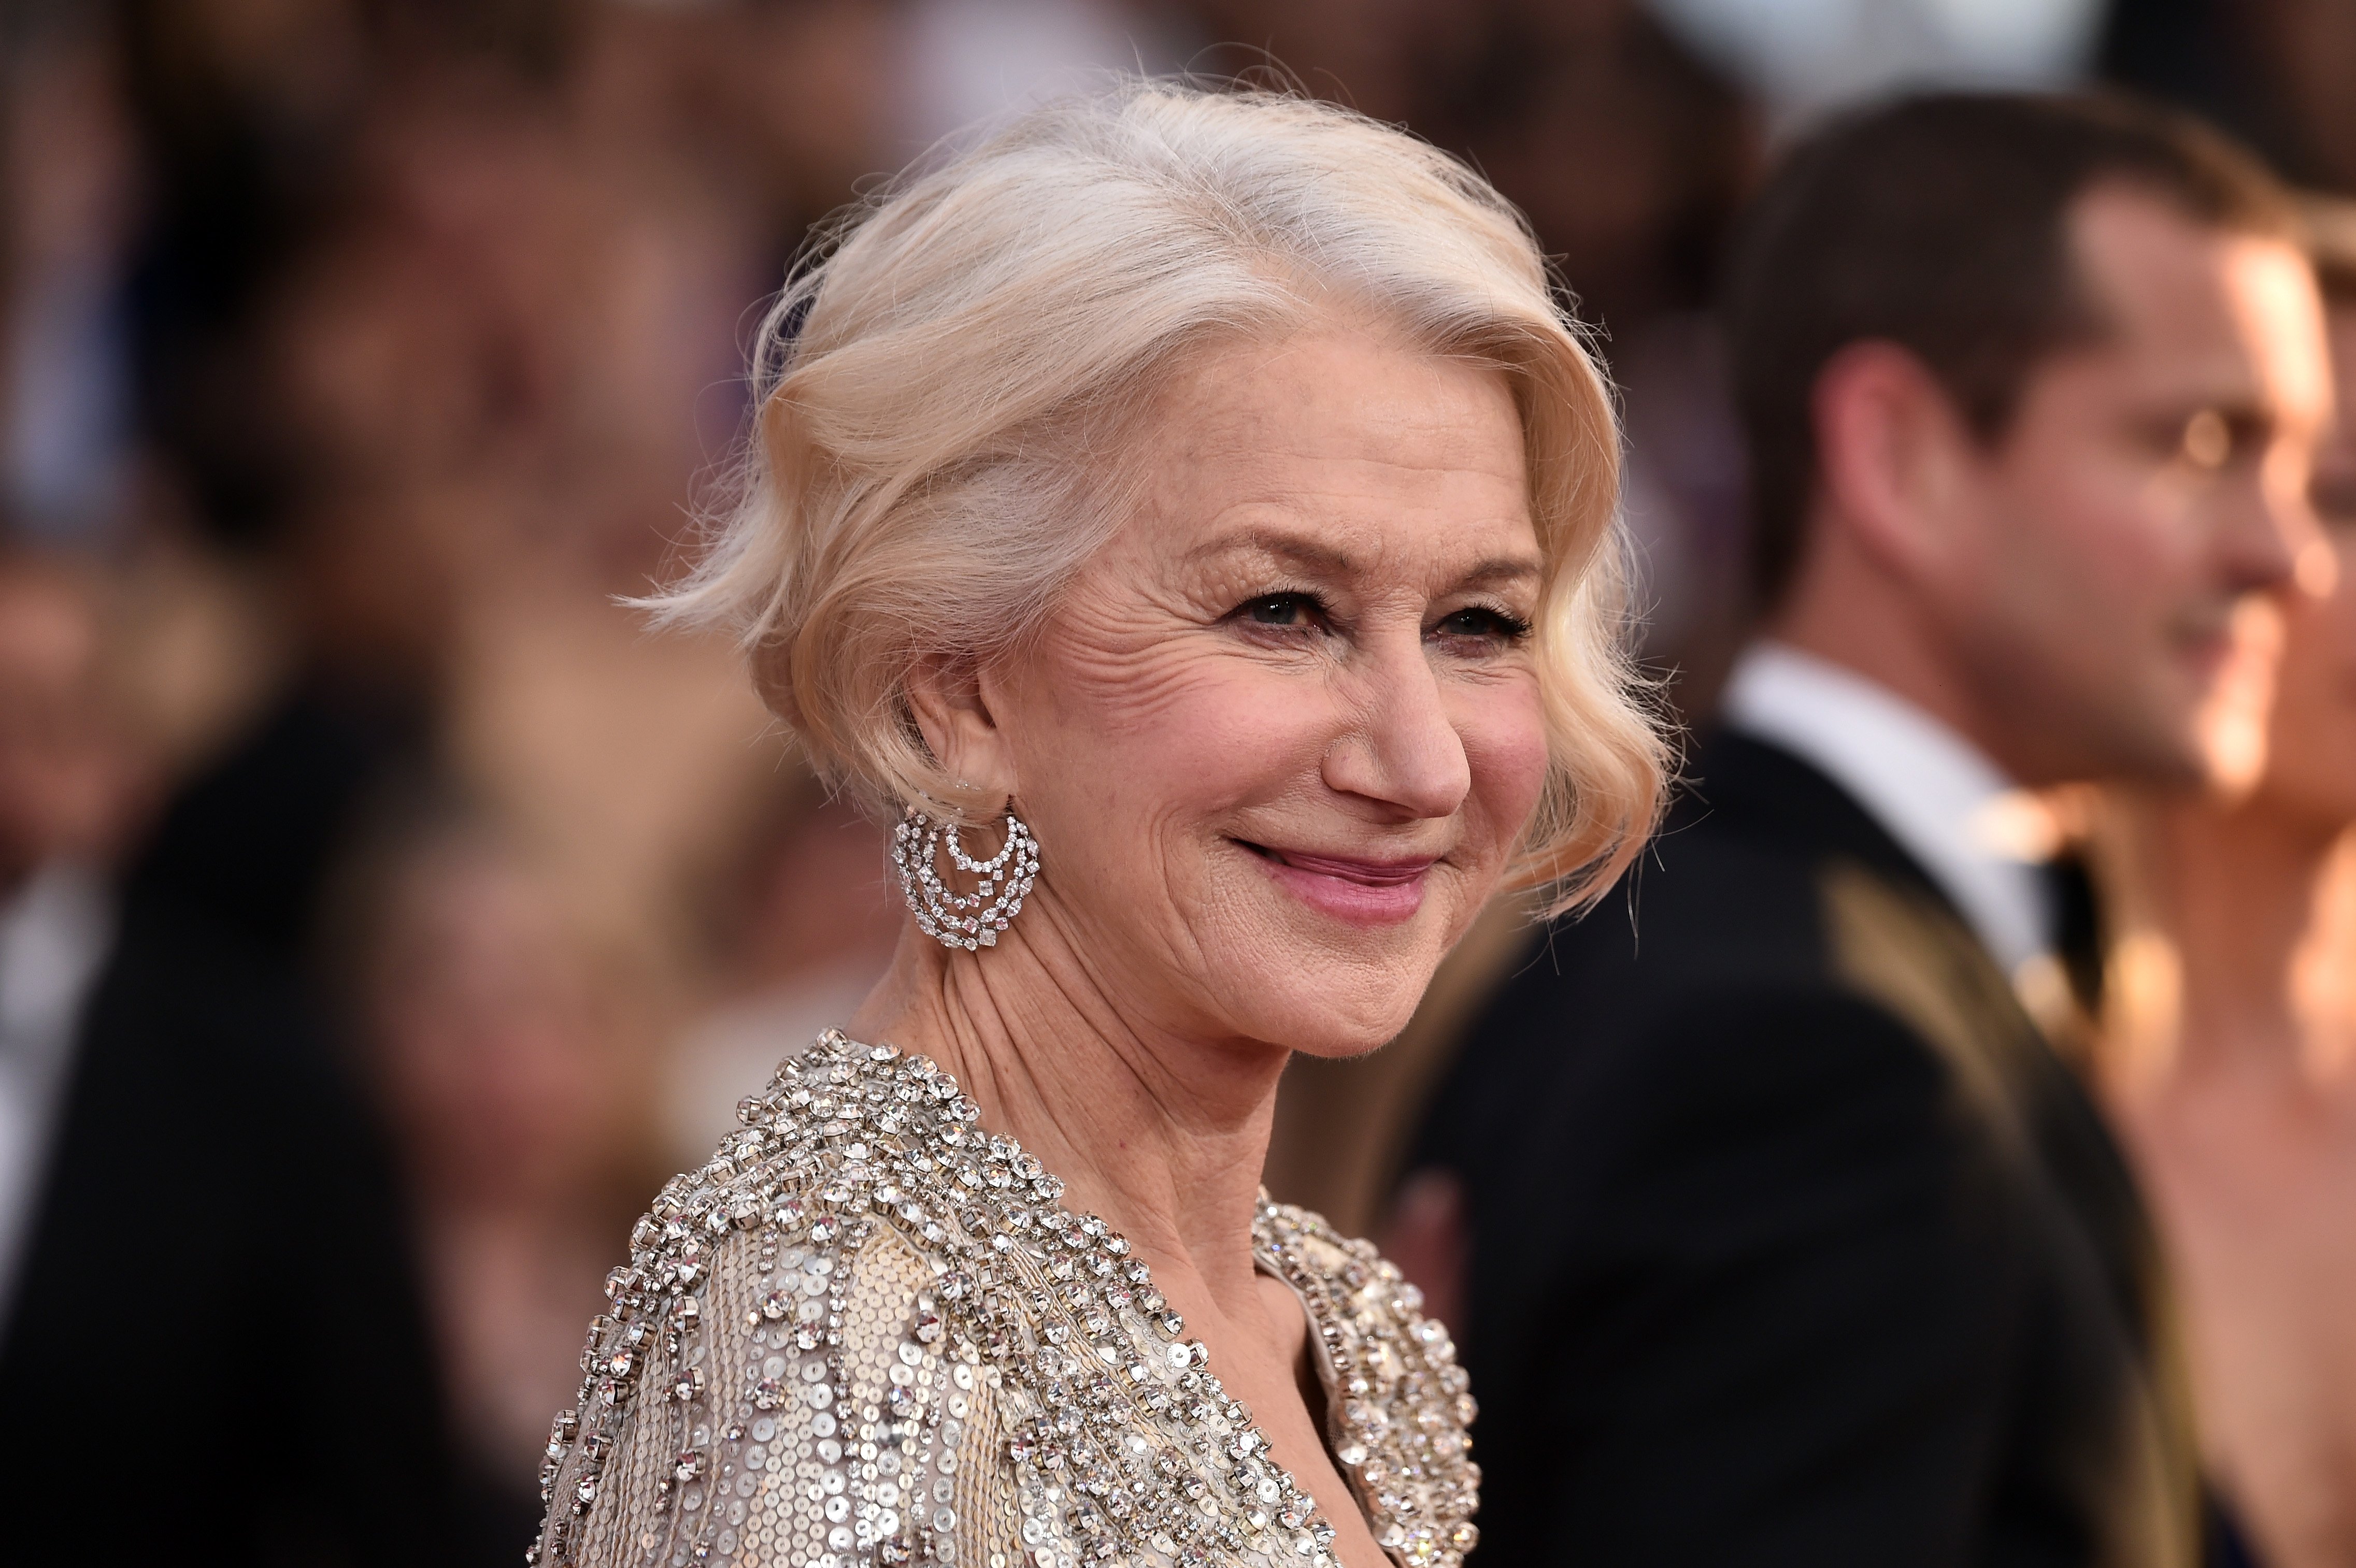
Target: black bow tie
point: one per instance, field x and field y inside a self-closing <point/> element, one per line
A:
<point x="2077" y="914"/>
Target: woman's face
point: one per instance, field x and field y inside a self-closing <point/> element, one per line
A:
<point x="2311" y="744"/>
<point x="1282" y="733"/>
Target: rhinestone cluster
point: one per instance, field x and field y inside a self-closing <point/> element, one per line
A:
<point x="963" y="919"/>
<point x="763" y="1391"/>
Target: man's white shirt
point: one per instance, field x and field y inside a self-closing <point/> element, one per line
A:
<point x="1932" y="791"/>
<point x="54" y="937"/>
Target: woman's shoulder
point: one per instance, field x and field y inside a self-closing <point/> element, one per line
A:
<point x="1405" y="1404"/>
<point x="776" y="1375"/>
<point x="1364" y="1300"/>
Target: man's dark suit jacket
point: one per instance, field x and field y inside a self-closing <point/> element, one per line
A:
<point x="1794" y="1241"/>
<point x="215" y="1352"/>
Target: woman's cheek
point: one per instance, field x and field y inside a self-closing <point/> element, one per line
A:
<point x="1505" y="748"/>
<point x="1244" y="733"/>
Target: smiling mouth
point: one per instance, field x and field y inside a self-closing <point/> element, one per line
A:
<point x="1355" y="892"/>
<point x="1365" y="873"/>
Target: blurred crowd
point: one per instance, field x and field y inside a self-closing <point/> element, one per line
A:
<point x="359" y="358"/>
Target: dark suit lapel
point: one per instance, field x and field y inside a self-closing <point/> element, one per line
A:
<point x="1765" y="790"/>
<point x="1893" y="935"/>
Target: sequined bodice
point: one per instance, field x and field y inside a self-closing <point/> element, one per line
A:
<point x="867" y="1332"/>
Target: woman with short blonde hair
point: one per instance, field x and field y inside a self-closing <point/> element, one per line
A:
<point x="1204" y="501"/>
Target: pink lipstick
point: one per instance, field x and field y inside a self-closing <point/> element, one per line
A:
<point x="1361" y="891"/>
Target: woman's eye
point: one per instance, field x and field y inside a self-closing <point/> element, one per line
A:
<point x="1281" y="610"/>
<point x="1477" y="622"/>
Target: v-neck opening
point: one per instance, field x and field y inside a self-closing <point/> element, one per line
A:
<point x="1320" y="1367"/>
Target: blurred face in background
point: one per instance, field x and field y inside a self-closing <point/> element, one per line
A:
<point x="67" y="778"/>
<point x="499" y="1049"/>
<point x="2311" y="752"/>
<point x="2152" y="485"/>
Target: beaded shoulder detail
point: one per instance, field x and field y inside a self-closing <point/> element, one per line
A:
<point x="867" y="1332"/>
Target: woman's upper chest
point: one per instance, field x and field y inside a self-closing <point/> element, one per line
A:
<point x="863" y="1274"/>
<point x="1121" y="1436"/>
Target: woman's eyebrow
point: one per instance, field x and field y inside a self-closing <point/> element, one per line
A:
<point x="1310" y="554"/>
<point x="1321" y="558"/>
<point x="1503" y="568"/>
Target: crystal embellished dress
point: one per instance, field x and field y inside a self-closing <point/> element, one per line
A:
<point x="867" y="1332"/>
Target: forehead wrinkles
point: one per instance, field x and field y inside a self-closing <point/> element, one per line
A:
<point x="1341" y="387"/>
<point x="1324" y="504"/>
<point x="1348" y="442"/>
<point x="1432" y="559"/>
<point x="1382" y="440"/>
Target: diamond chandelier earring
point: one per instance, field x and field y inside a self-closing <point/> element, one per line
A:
<point x="971" y="920"/>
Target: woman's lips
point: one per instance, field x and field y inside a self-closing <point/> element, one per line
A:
<point x="1364" y="892"/>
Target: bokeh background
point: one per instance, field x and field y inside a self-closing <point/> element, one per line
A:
<point x="357" y="355"/>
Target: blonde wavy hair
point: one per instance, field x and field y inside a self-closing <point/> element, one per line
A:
<point x="943" y="386"/>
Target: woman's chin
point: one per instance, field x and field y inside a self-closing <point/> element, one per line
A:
<point x="1327" y="987"/>
<point x="1337" y="1021"/>
<point x="1327" y="1048"/>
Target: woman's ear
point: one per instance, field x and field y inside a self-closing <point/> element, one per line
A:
<point x="953" y="711"/>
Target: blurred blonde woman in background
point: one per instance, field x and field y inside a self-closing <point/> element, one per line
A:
<point x="2229" y="1055"/>
<point x="1192" y="516"/>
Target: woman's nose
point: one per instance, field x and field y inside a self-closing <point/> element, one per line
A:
<point x="1400" y="749"/>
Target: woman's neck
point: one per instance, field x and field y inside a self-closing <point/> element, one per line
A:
<point x="2248" y="901"/>
<point x="1161" y="1136"/>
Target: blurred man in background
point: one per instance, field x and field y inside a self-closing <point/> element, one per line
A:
<point x="170" y="1137"/>
<point x="1830" y="1257"/>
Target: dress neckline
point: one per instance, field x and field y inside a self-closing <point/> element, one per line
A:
<point x="1354" y="1429"/>
<point x="1114" y="1422"/>
<point x="1166" y="1321"/>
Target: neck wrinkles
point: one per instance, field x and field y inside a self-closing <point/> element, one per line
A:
<point x="1162" y="1136"/>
